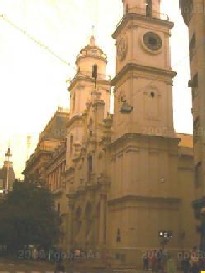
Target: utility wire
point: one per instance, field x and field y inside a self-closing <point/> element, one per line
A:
<point x="28" y="35"/>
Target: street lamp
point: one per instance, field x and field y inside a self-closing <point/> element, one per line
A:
<point x="165" y="236"/>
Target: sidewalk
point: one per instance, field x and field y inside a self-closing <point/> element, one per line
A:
<point x="15" y="265"/>
<point x="30" y="266"/>
<point x="88" y="266"/>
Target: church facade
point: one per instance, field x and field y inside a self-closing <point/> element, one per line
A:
<point x="127" y="183"/>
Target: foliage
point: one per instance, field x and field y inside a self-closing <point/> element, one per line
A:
<point x="28" y="217"/>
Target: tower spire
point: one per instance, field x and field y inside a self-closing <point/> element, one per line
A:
<point x="7" y="157"/>
<point x="92" y="38"/>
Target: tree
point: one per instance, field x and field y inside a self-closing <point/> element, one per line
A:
<point x="28" y="217"/>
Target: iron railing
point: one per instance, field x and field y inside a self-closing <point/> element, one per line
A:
<point x="144" y="13"/>
<point x="88" y="74"/>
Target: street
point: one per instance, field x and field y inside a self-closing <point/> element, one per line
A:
<point x="28" y="266"/>
<point x="20" y="266"/>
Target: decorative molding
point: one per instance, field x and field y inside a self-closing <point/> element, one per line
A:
<point x="130" y="67"/>
<point x="132" y="149"/>
<point x="154" y="150"/>
<point x="138" y="198"/>
<point x="119" y="154"/>
<point x="122" y="48"/>
<point x="139" y="17"/>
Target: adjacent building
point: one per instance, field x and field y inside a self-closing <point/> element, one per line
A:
<point x="49" y="139"/>
<point x="193" y="14"/>
<point x="55" y="181"/>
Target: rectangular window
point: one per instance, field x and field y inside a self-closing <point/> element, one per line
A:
<point x="94" y="71"/>
<point x="149" y="8"/>
<point x="58" y="208"/>
<point x="71" y="145"/>
<point x="73" y="100"/>
<point x="89" y="167"/>
<point x="197" y="173"/>
<point x="195" y="86"/>
<point x="194" y="81"/>
<point x="196" y="129"/>
<point x="192" y="47"/>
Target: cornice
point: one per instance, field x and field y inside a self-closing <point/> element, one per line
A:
<point x="35" y="159"/>
<point x="134" y="16"/>
<point x="57" y="158"/>
<point x="147" y="69"/>
<point x="134" y="136"/>
<point x="140" y="198"/>
<point x="54" y="163"/>
<point x="81" y="77"/>
<point x="102" y="58"/>
<point x="83" y="190"/>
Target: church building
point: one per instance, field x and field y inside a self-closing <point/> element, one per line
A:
<point x="127" y="183"/>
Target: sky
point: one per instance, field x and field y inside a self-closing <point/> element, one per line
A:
<point x="39" y="42"/>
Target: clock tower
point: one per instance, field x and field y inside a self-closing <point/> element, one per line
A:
<point x="143" y="81"/>
<point x="144" y="151"/>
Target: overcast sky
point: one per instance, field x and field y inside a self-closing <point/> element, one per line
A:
<point x="33" y="80"/>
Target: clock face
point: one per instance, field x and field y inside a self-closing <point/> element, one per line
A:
<point x="122" y="48"/>
<point x="152" y="41"/>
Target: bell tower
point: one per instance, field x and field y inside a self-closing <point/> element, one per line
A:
<point x="90" y="85"/>
<point x="143" y="81"/>
<point x="144" y="151"/>
<point x="144" y="7"/>
<point x="90" y="77"/>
